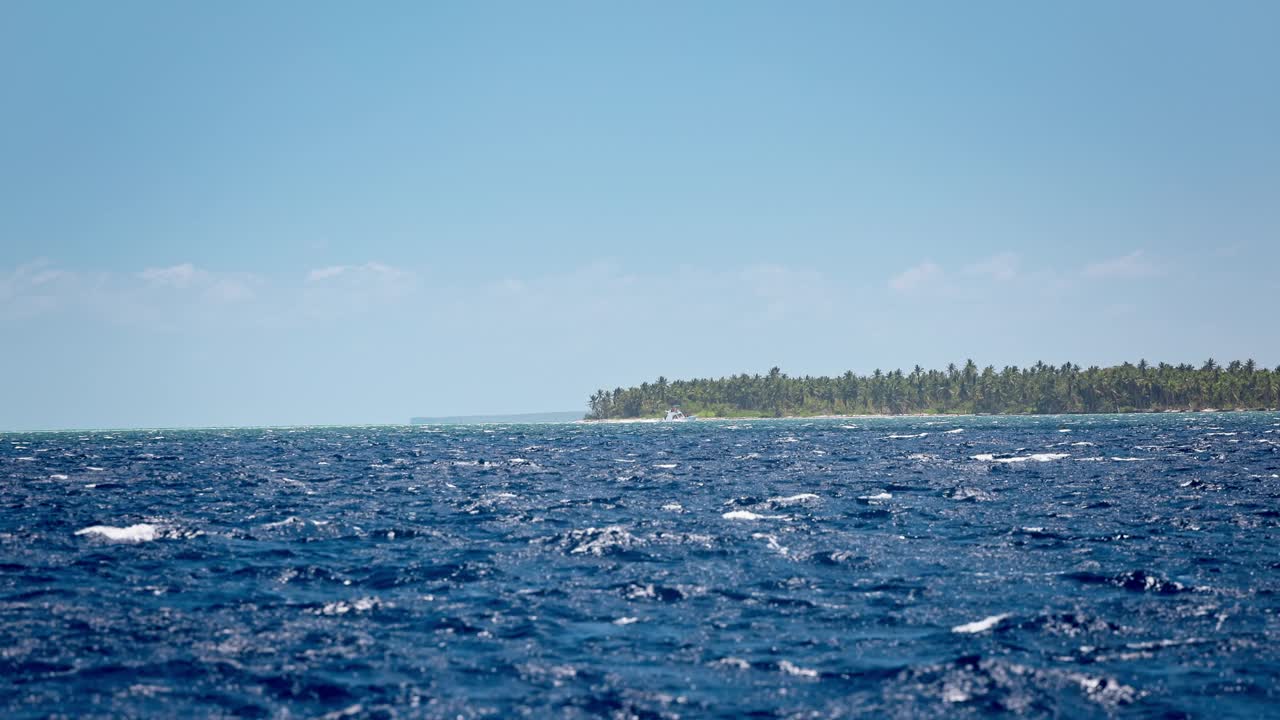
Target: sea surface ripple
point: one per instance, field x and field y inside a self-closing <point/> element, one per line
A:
<point x="1073" y="566"/>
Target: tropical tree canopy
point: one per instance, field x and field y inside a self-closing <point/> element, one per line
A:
<point x="1040" y="388"/>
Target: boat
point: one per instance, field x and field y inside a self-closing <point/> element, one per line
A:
<point x="675" y="415"/>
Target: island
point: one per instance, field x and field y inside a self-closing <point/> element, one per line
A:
<point x="966" y="389"/>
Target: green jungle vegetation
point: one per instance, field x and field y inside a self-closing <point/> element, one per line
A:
<point x="967" y="389"/>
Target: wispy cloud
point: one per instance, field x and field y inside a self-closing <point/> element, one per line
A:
<point x="346" y="290"/>
<point x="178" y="276"/>
<point x="1133" y="265"/>
<point x="786" y="292"/>
<point x="32" y="288"/>
<point x="1002" y="266"/>
<point x="218" y="287"/>
<point x="332" y="271"/>
<point x="925" y="274"/>
<point x="369" y="270"/>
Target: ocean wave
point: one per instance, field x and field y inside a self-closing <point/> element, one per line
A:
<point x="971" y="493"/>
<point x="800" y="499"/>
<point x="142" y="532"/>
<point x="877" y="497"/>
<point x="790" y="668"/>
<point x="748" y="515"/>
<point x="1001" y="685"/>
<point x="1034" y="457"/>
<point x="878" y="571"/>
<point x="1133" y="580"/>
<point x="980" y="626"/>
<point x="600" y="541"/>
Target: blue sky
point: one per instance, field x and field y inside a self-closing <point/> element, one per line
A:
<point x="283" y="213"/>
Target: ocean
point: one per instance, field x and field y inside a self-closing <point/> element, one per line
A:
<point x="1072" y="566"/>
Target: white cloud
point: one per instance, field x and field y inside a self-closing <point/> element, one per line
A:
<point x="231" y="289"/>
<point x="1002" y="266"/>
<point x="326" y="273"/>
<point x="216" y="287"/>
<point x="33" y="288"/>
<point x="369" y="270"/>
<point x="178" y="276"/>
<point x="924" y="274"/>
<point x="347" y="290"/>
<point x="783" y="291"/>
<point x="1133" y="265"/>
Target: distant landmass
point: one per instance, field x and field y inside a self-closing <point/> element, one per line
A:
<point x="1040" y="388"/>
<point x="545" y="417"/>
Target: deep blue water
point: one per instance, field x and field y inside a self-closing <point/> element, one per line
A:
<point x="904" y="567"/>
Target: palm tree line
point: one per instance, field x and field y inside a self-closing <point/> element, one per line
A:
<point x="1040" y="388"/>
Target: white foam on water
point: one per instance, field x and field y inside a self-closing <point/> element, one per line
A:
<point x="141" y="532"/>
<point x="905" y="437"/>
<point x="1128" y="459"/>
<point x="773" y="543"/>
<point x="58" y="476"/>
<point x="953" y="694"/>
<point x="26" y="458"/>
<point x="953" y="432"/>
<point x="748" y="515"/>
<point x="982" y="625"/>
<point x="968" y="493"/>
<point x="291" y="521"/>
<point x="1107" y="691"/>
<point x="790" y="668"/>
<point x="877" y="496"/>
<point x="673" y="507"/>
<point x="598" y="541"/>
<point x="1083" y="443"/>
<point x="668" y="466"/>
<point x="732" y="662"/>
<point x="1035" y="457"/>
<point x="342" y="607"/>
<point x="1049" y="457"/>
<point x="1158" y="644"/>
<point x="626" y="621"/>
<point x="794" y="499"/>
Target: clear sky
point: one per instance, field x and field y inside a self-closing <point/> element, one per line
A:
<point x="249" y="213"/>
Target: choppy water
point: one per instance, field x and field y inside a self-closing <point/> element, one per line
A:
<point x="1048" y="567"/>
